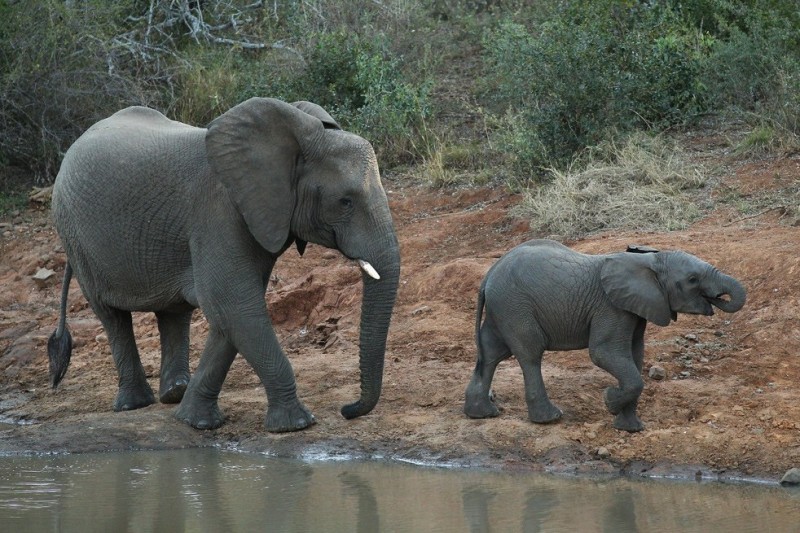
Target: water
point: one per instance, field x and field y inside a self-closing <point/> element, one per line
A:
<point x="217" y="491"/>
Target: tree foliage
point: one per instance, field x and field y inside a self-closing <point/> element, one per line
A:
<point x="534" y="83"/>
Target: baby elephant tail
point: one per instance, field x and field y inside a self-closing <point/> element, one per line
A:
<point x="479" y="314"/>
<point x="59" y="346"/>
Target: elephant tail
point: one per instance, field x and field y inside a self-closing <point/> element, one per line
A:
<point x="59" y="345"/>
<point x="479" y="314"/>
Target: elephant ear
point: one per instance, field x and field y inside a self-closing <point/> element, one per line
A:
<point x="316" y="111"/>
<point x="253" y="150"/>
<point x="631" y="283"/>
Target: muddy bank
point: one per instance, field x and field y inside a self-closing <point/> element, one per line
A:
<point x="154" y="428"/>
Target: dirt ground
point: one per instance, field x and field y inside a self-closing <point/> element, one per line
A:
<point x="729" y="406"/>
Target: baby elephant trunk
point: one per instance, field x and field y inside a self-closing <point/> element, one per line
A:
<point x="727" y="286"/>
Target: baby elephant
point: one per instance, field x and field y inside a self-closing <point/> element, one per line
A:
<point x="543" y="296"/>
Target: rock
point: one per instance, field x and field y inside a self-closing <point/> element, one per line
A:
<point x="43" y="277"/>
<point x="657" y="373"/>
<point x="421" y="310"/>
<point x="791" y="477"/>
<point x="603" y="452"/>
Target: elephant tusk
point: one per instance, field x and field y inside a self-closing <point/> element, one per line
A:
<point x="369" y="269"/>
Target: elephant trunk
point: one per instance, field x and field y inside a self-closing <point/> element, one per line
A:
<point x="727" y="285"/>
<point x="376" y="312"/>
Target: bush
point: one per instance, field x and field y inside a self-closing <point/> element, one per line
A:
<point x="364" y="87"/>
<point x="356" y="79"/>
<point x="755" y="69"/>
<point x="589" y="71"/>
<point x="65" y="65"/>
<point x="58" y="75"/>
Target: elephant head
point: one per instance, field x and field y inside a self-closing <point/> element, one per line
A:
<point x="658" y="285"/>
<point x="295" y="176"/>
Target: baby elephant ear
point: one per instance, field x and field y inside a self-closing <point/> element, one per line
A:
<point x="631" y="284"/>
<point x="253" y="150"/>
<point x="316" y="111"/>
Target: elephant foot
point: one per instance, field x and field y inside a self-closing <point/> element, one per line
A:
<point x="173" y="392"/>
<point x="207" y="416"/>
<point x="292" y="417"/>
<point x="617" y="399"/>
<point x="628" y="422"/>
<point x="129" y="399"/>
<point x="544" y="413"/>
<point x="478" y="405"/>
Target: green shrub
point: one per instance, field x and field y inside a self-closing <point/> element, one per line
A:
<point x="589" y="71"/>
<point x="356" y="79"/>
<point x="756" y="69"/>
<point x="363" y="85"/>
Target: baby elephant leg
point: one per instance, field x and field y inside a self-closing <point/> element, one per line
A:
<point x="540" y="409"/>
<point x="478" y="402"/>
<point x="621" y="401"/>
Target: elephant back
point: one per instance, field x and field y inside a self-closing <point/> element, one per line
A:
<point x="125" y="155"/>
<point x="126" y="186"/>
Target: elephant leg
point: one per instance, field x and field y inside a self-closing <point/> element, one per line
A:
<point x="621" y="401"/>
<point x="199" y="406"/>
<point x="134" y="391"/>
<point x="491" y="350"/>
<point x="627" y="417"/>
<point x="174" y="331"/>
<point x="255" y="339"/>
<point x="540" y="409"/>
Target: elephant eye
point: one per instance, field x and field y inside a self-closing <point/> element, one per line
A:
<point x="346" y="202"/>
<point x="693" y="279"/>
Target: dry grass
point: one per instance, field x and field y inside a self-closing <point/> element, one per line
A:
<point x="647" y="183"/>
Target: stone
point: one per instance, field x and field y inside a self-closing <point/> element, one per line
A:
<point x="657" y="373"/>
<point x="42" y="277"/>
<point x="791" y="477"/>
<point x="603" y="452"/>
<point x="421" y="310"/>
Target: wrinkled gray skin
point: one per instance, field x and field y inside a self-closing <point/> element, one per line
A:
<point x="160" y="216"/>
<point x="543" y="296"/>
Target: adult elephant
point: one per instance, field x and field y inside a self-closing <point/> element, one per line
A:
<point x="543" y="296"/>
<point x="156" y="215"/>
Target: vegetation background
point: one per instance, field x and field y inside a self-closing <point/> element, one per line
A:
<point x="579" y="104"/>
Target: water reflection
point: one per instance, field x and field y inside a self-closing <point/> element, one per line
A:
<point x="209" y="490"/>
<point x="539" y="504"/>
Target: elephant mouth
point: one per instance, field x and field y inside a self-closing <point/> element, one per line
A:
<point x="717" y="301"/>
